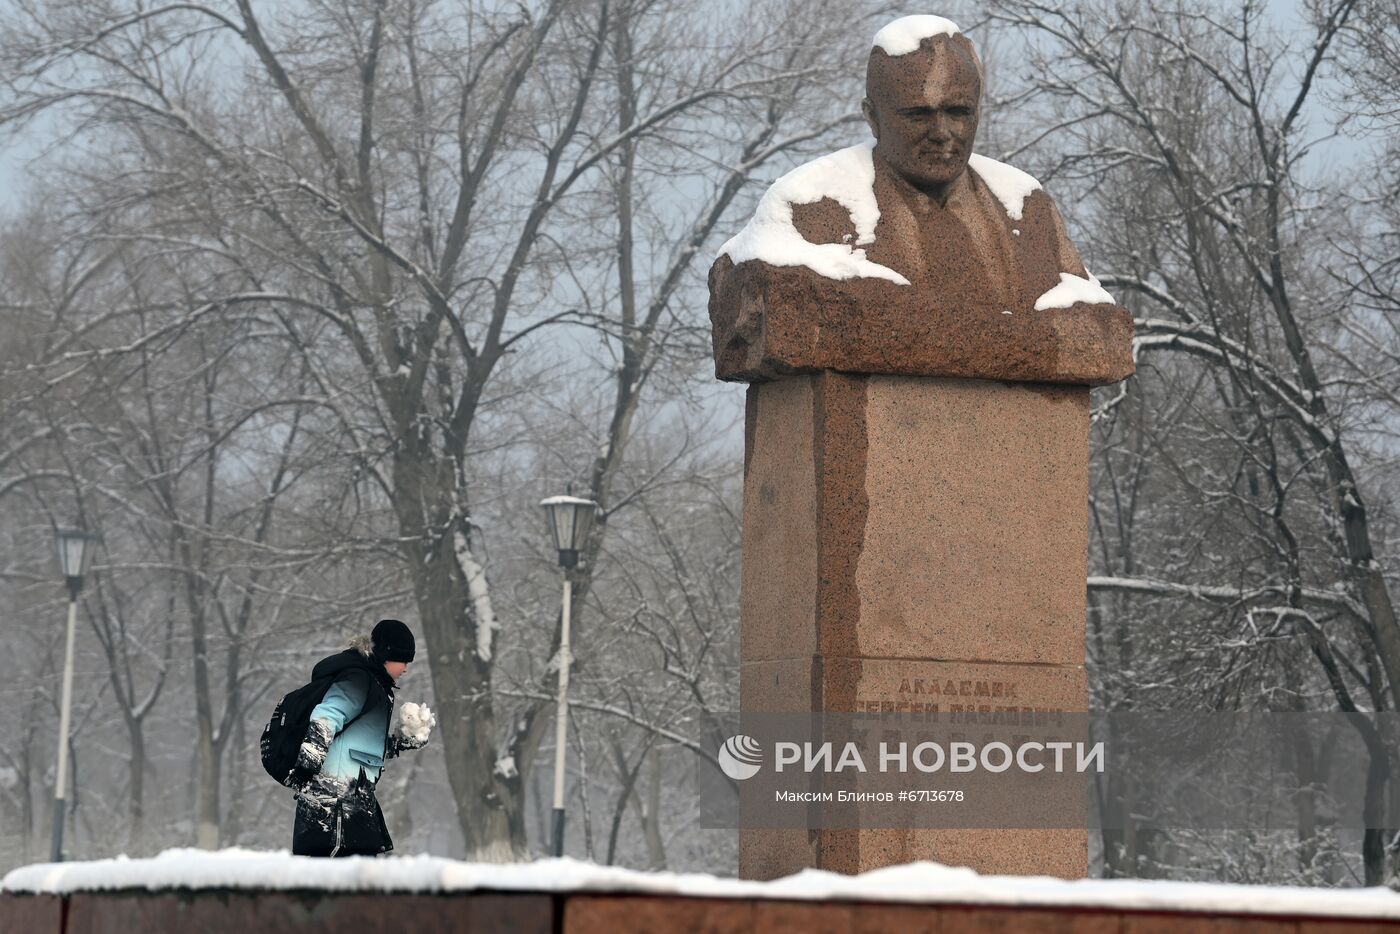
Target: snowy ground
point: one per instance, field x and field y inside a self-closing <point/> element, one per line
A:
<point x="917" y="882"/>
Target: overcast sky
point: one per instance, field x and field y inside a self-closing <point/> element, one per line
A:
<point x="19" y="153"/>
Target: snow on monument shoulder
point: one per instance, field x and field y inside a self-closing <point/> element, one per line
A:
<point x="1074" y="289"/>
<point x="1010" y="185"/>
<point x="904" y="34"/>
<point x="912" y="883"/>
<point x="848" y="178"/>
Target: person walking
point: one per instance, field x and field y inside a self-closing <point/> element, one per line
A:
<point x="347" y="743"/>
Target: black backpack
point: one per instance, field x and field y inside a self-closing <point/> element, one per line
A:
<point x="286" y="731"/>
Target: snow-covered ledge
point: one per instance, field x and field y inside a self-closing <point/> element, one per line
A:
<point x="916" y="883"/>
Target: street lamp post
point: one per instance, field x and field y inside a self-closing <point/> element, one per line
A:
<point x="73" y="557"/>
<point x="570" y="519"/>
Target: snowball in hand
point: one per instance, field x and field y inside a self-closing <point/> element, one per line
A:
<point x="416" y="721"/>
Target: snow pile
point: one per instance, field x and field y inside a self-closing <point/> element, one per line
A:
<point x="913" y="883"/>
<point x="1073" y="289"/>
<point x="416" y="721"/>
<point x="904" y="35"/>
<point x="1009" y="184"/>
<point x="848" y="178"/>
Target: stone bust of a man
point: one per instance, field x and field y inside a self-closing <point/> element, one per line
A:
<point x="904" y="256"/>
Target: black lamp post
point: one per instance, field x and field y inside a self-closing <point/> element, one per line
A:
<point x="570" y="519"/>
<point x="74" y="552"/>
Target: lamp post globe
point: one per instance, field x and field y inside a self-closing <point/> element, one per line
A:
<point x="74" y="554"/>
<point x="570" y="520"/>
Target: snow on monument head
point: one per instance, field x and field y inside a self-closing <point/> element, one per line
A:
<point x="923" y="91"/>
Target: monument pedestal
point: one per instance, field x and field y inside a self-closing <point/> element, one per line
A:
<point x="914" y="544"/>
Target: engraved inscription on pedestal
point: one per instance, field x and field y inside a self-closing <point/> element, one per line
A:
<point x="973" y="693"/>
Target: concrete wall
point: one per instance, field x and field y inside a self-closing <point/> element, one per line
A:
<point x="218" y="912"/>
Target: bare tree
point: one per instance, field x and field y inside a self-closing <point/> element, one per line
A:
<point x="397" y="194"/>
<point x="1186" y="131"/>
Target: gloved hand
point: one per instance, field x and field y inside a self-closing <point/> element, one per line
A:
<point x="415" y="723"/>
<point x="311" y="755"/>
<point x="401" y="743"/>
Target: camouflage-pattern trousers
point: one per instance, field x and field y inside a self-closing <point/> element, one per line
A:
<point x="335" y="819"/>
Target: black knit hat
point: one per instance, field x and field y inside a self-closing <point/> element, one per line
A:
<point x="393" y="641"/>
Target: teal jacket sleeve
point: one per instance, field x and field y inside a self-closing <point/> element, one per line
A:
<point x="344" y="701"/>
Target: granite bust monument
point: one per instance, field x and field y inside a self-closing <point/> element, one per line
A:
<point x="932" y="254"/>
<point x="919" y="336"/>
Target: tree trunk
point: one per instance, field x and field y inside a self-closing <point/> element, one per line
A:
<point x="651" y="815"/>
<point x="488" y="808"/>
<point x="207" y="796"/>
<point x="233" y="821"/>
<point x="488" y="804"/>
<point x="136" y="778"/>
